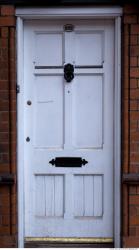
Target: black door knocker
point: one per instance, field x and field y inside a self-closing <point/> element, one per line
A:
<point x="68" y="72"/>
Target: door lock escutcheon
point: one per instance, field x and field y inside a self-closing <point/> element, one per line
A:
<point x="68" y="72"/>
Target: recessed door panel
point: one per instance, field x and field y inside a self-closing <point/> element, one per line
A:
<point x="48" y="114"/>
<point x="88" y="196"/>
<point x="88" y="111"/>
<point x="48" y="49"/>
<point x="94" y="43"/>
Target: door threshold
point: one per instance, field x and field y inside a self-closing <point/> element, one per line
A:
<point x="70" y="240"/>
<point x="45" y="242"/>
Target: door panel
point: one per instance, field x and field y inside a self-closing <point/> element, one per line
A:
<point x="88" y="204"/>
<point x="48" y="116"/>
<point x="49" y="204"/>
<point x="88" y="103"/>
<point x="69" y="120"/>
<point x="94" y="43"/>
<point x="50" y="51"/>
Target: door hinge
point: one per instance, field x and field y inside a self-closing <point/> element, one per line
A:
<point x="17" y="89"/>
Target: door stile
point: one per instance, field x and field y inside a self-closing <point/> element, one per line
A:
<point x="69" y="58"/>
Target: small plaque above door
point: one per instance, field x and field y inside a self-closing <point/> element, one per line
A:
<point x="68" y="27"/>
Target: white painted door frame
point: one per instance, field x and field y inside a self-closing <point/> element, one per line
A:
<point x="79" y="13"/>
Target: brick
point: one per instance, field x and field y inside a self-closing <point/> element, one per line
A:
<point x="5" y="200"/>
<point x="134" y="220"/>
<point x="4" y="95"/>
<point x="130" y="242"/>
<point x="137" y="230"/>
<point x="133" y="61"/>
<point x="7" y="10"/>
<point x="4" y="54"/>
<point x="4" y="32"/>
<point x="4" y="168"/>
<point x="4" y="158"/>
<point x="132" y="190"/>
<point x="137" y="207"/>
<point x="134" y="137"/>
<point x="138" y="60"/>
<point x="4" y="230"/>
<point x="134" y="168"/>
<point x="4" y="137"/>
<point x="133" y="105"/>
<point x="7" y="21"/>
<point x="4" y="147"/>
<point x="134" y="93"/>
<point x="132" y="231"/>
<point x="134" y="200"/>
<point x="133" y="83"/>
<point x="132" y="211"/>
<point x="4" y="116"/>
<point x="4" y="105"/>
<point x="134" y="40"/>
<point x="134" y="147"/>
<point x="134" y="72"/>
<point x="3" y="43"/>
<point x="131" y="9"/>
<point x="135" y="29"/>
<point x="134" y="115"/>
<point x="138" y="83"/>
<point x="133" y="124"/>
<point x="134" y="51"/>
<point x="130" y="19"/>
<point x="4" y="85"/>
<point x="4" y="74"/>
<point x="4" y="127"/>
<point x="5" y="220"/>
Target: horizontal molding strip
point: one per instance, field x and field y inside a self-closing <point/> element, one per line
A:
<point x="131" y="179"/>
<point x="76" y="12"/>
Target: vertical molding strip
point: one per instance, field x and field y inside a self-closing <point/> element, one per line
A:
<point x="117" y="136"/>
<point x="20" y="133"/>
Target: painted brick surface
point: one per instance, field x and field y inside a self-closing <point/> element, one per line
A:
<point x="8" y="214"/>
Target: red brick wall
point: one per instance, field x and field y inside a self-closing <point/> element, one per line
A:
<point x="8" y="222"/>
<point x="130" y="125"/>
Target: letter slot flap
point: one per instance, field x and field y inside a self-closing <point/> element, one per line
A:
<point x="70" y="162"/>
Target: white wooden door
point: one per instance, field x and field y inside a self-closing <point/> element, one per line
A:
<point x="68" y="119"/>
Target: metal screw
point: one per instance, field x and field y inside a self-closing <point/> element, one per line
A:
<point x="29" y="102"/>
<point x="27" y="139"/>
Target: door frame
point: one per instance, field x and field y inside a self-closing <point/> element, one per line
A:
<point x="114" y="13"/>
